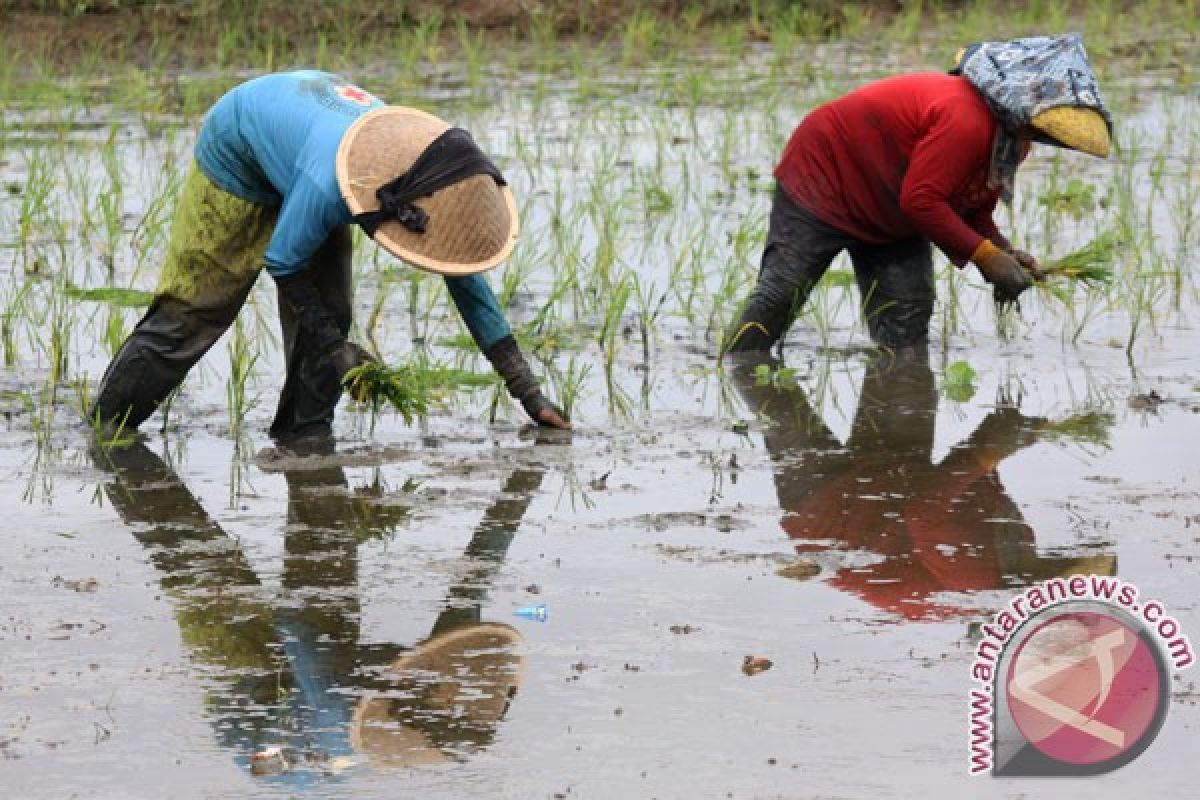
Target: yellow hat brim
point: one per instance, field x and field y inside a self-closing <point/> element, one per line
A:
<point x="1082" y="129"/>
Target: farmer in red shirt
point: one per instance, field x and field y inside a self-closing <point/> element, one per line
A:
<point x="912" y="160"/>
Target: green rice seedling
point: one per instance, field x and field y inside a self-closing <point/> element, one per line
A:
<point x="40" y="411"/>
<point x="410" y="389"/>
<point x="472" y="49"/>
<point x="241" y="367"/>
<point x="620" y="405"/>
<point x="908" y="22"/>
<point x="950" y="295"/>
<point x="155" y="221"/>
<point x="239" y="473"/>
<point x="656" y="199"/>
<point x="745" y="241"/>
<point x="419" y="315"/>
<point x="613" y="313"/>
<point x="571" y="383"/>
<point x="1080" y="309"/>
<point x="958" y="381"/>
<point x="686" y="277"/>
<point x="1144" y="292"/>
<point x="111" y="201"/>
<point x="34" y="209"/>
<point x="114" y="331"/>
<point x="821" y="310"/>
<point x="14" y="314"/>
<point x="1090" y="264"/>
<point x="56" y="326"/>
<point x="107" y="435"/>
<point x="648" y="311"/>
<point x="1074" y="197"/>
<point x="383" y="290"/>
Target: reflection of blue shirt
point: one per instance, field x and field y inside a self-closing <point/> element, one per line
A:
<point x="274" y="141"/>
<point x="312" y="725"/>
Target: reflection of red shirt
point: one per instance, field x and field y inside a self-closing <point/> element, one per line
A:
<point x="896" y="159"/>
<point x="951" y="510"/>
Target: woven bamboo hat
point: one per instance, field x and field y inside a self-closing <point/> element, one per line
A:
<point x="472" y="224"/>
<point x="1082" y="129"/>
<point x="450" y="691"/>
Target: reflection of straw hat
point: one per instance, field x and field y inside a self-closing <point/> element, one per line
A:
<point x="1082" y="129"/>
<point x="472" y="224"/>
<point x="451" y="690"/>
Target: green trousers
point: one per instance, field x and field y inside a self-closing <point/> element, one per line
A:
<point x="214" y="255"/>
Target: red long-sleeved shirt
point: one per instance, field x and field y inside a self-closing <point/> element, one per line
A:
<point x="902" y="157"/>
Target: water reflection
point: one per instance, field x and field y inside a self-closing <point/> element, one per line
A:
<point x="292" y="672"/>
<point x="924" y="530"/>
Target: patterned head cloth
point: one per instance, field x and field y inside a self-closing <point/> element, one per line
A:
<point x="1023" y="79"/>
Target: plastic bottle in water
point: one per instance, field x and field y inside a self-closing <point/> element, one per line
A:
<point x="537" y="612"/>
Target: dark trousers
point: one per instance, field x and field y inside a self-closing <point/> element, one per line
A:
<point x="174" y="335"/>
<point x="894" y="279"/>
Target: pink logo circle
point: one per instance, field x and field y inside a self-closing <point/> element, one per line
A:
<point x="1085" y="688"/>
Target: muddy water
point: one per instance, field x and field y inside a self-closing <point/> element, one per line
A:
<point x="174" y="608"/>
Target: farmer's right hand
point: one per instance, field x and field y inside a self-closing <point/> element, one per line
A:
<point x="347" y="356"/>
<point x="1006" y="275"/>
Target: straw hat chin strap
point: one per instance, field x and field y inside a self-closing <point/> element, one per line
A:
<point x="450" y="158"/>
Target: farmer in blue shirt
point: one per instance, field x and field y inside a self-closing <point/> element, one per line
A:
<point x="284" y="164"/>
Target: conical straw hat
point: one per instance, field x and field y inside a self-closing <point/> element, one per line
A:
<point x="1078" y="128"/>
<point x="472" y="224"/>
<point x="452" y="689"/>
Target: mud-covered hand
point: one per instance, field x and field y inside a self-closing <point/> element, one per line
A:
<point x="1029" y="263"/>
<point x="1006" y="275"/>
<point x="510" y="364"/>
<point x="543" y="411"/>
<point x="347" y="356"/>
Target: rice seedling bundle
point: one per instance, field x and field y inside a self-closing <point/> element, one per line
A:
<point x="1090" y="264"/>
<point x="409" y="389"/>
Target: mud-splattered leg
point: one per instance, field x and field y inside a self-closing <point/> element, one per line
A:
<point x="798" y="251"/>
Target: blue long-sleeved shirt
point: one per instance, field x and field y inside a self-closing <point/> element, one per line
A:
<point x="274" y="141"/>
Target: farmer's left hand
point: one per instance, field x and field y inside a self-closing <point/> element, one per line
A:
<point x="506" y="358"/>
<point x="346" y="357"/>
<point x="545" y="413"/>
<point x="1029" y="264"/>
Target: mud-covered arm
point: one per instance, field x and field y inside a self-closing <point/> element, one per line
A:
<point x="481" y="312"/>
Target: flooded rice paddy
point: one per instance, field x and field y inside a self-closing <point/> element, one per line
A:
<point x="173" y="609"/>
